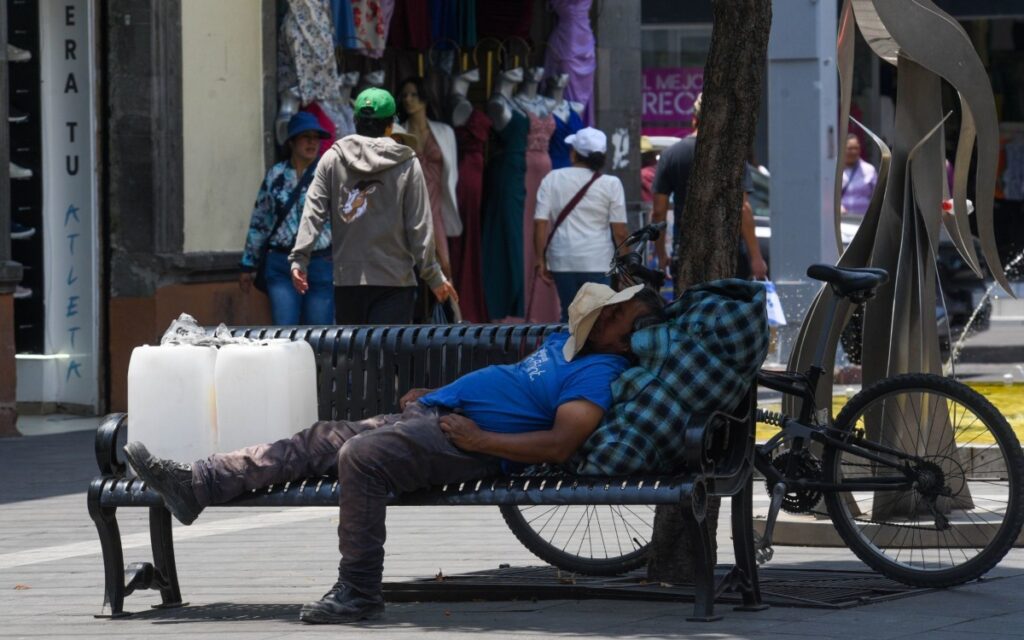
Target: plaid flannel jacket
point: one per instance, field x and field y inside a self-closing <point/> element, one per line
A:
<point x="704" y="359"/>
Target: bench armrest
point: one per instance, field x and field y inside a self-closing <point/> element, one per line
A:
<point x="722" y="448"/>
<point x="110" y="438"/>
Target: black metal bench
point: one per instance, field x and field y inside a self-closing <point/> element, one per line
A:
<point x="363" y="371"/>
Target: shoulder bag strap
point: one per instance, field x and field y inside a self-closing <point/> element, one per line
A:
<point x="568" y="209"/>
<point x="282" y="210"/>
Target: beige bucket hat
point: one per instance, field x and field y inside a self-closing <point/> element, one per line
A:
<point x="586" y="307"/>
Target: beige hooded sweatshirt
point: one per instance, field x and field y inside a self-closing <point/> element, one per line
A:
<point x="374" y="192"/>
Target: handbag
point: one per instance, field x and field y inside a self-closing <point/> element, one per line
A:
<point x="281" y="211"/>
<point x="776" y="317"/>
<point x="566" y="210"/>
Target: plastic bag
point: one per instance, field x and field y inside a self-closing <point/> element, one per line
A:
<point x="447" y="312"/>
<point x="185" y="330"/>
<point x="776" y="317"/>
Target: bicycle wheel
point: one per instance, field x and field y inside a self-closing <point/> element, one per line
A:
<point x="964" y="511"/>
<point x="605" y="540"/>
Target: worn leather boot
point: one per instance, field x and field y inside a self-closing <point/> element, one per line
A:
<point x="342" y="604"/>
<point x="172" y="480"/>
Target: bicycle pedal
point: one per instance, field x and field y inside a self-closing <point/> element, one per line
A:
<point x="764" y="556"/>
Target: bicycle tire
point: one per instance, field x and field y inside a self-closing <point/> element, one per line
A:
<point x="553" y="533"/>
<point x="985" y="507"/>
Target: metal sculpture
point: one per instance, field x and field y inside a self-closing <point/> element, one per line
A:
<point x="900" y="230"/>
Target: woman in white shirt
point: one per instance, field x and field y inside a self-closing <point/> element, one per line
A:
<point x="582" y="244"/>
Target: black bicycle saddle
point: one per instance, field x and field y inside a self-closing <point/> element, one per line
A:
<point x="849" y="282"/>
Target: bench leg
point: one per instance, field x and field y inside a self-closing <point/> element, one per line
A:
<point x="703" y="573"/>
<point x="162" y="541"/>
<point x="743" y="548"/>
<point x="105" y="519"/>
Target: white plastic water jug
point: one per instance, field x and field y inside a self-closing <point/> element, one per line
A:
<point x="265" y="392"/>
<point x="171" y="400"/>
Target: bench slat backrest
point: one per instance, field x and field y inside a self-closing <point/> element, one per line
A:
<point x="362" y="371"/>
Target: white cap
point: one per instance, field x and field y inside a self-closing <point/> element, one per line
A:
<point x="587" y="141"/>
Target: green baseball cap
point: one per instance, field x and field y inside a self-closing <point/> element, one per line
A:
<point x="375" y="103"/>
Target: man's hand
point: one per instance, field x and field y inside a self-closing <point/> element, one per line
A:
<point x="662" y="256"/>
<point x="463" y="432"/>
<point x="758" y="268"/>
<point x="412" y="395"/>
<point x="541" y="268"/>
<point x="299" y="281"/>
<point x="445" y="291"/>
<point x="245" y="281"/>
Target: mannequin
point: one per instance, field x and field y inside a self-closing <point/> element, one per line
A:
<point x="349" y="79"/>
<point x="502" y="237"/>
<point x="461" y="107"/>
<point x="438" y="158"/>
<point x="501" y="105"/>
<point x="341" y="110"/>
<point x="528" y="97"/>
<point x="568" y="120"/>
<point x="541" y="297"/>
<point x="289" y="105"/>
<point x="472" y="129"/>
<point x="375" y="78"/>
<point x="557" y="103"/>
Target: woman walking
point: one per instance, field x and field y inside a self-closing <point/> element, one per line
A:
<point x="579" y="212"/>
<point x="272" y="228"/>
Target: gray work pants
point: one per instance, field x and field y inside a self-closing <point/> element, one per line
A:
<point x="395" y="453"/>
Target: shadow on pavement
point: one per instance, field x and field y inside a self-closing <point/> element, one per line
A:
<point x="46" y="466"/>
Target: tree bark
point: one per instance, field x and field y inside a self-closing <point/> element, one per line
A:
<point x="733" y="77"/>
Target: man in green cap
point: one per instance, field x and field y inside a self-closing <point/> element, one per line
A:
<point x="372" y="190"/>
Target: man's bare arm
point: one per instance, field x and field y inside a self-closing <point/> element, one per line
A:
<point x="574" y="423"/>
<point x="660" y="214"/>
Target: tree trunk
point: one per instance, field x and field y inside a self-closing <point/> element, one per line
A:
<point x="733" y="77"/>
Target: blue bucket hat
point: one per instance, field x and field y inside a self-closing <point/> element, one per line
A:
<point x="304" y="121"/>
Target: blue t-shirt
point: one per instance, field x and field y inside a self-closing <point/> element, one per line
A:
<point x="514" y="398"/>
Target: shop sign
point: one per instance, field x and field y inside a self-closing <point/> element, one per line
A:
<point x="668" y="96"/>
<point x="69" y="200"/>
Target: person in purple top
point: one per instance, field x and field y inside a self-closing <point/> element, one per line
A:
<point x="859" y="179"/>
<point x="539" y="410"/>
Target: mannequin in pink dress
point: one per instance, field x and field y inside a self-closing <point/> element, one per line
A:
<point x="541" y="297"/>
<point x="436" y="149"/>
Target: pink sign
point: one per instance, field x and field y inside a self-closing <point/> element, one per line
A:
<point x="669" y="93"/>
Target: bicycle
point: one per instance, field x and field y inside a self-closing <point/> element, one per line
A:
<point x="919" y="474"/>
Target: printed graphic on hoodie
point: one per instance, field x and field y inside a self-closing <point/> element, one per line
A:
<point x="356" y="199"/>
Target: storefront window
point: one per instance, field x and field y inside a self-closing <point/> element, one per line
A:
<point x="673" y="58"/>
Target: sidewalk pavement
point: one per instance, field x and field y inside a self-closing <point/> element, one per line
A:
<point x="247" y="572"/>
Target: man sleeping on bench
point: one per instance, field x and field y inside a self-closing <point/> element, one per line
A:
<point x="539" y="410"/>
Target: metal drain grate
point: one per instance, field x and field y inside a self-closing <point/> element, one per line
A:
<point x="815" y="588"/>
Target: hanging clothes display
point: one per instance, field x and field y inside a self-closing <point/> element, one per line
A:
<point x="286" y="75"/>
<point x="505" y="19"/>
<point x="467" y="23"/>
<point x="325" y="121"/>
<point x="309" y="34"/>
<point x="372" y="18"/>
<point x="502" y="244"/>
<point x="342" y="116"/>
<point x="410" y="26"/>
<point x="444" y="21"/>
<point x="558" y="149"/>
<point x="571" y="50"/>
<point x="465" y="249"/>
<point x="344" y="26"/>
<point x="541" y="297"/>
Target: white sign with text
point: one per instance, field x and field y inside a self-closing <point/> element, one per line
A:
<point x="70" y="216"/>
